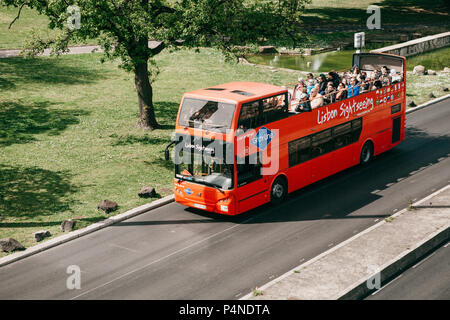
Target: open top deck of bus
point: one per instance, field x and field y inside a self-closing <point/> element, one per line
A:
<point x="238" y="91"/>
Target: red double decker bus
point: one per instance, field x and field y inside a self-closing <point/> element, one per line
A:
<point x="239" y="145"/>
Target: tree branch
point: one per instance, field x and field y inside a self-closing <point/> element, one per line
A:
<point x="18" y="15"/>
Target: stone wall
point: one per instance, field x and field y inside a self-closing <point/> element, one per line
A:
<point x="418" y="46"/>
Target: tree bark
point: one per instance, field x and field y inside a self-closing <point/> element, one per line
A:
<point x="147" y="119"/>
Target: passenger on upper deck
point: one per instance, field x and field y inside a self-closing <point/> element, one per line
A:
<point x="310" y="86"/>
<point x="330" y="93"/>
<point x="316" y="99"/>
<point x="395" y="77"/>
<point x="322" y="83"/>
<point x="385" y="77"/>
<point x="304" y="104"/>
<point x="342" y="93"/>
<point x="310" y="76"/>
<point x="334" y="77"/>
<point x="353" y="88"/>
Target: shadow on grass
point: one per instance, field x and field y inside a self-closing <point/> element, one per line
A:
<point x="6" y="84"/>
<point x="132" y="139"/>
<point x="17" y="72"/>
<point x="161" y="162"/>
<point x="32" y="191"/>
<point x="166" y="114"/>
<point x="20" y="121"/>
<point x="392" y="12"/>
<point x="41" y="224"/>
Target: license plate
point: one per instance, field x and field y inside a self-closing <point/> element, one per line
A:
<point x="200" y="206"/>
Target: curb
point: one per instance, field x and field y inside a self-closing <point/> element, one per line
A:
<point x="82" y="232"/>
<point x="397" y="265"/>
<point x="353" y="291"/>
<point x="428" y="103"/>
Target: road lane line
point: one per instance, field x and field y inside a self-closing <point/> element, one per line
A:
<point x="420" y="262"/>
<point x="159" y="260"/>
<point x="387" y="284"/>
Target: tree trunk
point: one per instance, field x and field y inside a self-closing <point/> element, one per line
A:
<point x="147" y="119"/>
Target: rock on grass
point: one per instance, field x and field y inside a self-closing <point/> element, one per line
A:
<point x="10" y="245"/>
<point x="68" y="225"/>
<point x="147" y="192"/>
<point x="107" y="206"/>
<point x="40" y="235"/>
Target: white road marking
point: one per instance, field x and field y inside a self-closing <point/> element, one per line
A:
<point x="124" y="248"/>
<point x="160" y="259"/>
<point x="387" y="284"/>
<point x="420" y="262"/>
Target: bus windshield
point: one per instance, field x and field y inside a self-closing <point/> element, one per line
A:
<point x="206" y="114"/>
<point x="206" y="170"/>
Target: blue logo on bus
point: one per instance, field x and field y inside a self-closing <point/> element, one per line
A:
<point x="188" y="191"/>
<point x="262" y="138"/>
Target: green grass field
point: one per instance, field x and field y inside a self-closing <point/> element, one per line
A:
<point x="30" y="21"/>
<point x="68" y="137"/>
<point x="353" y="12"/>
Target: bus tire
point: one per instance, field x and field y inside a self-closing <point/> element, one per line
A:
<point x="366" y="153"/>
<point x="279" y="190"/>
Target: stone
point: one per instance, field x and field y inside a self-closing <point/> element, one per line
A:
<point x="445" y="89"/>
<point x="40" y="235"/>
<point x="10" y="245"/>
<point x="431" y="72"/>
<point x="68" y="225"/>
<point x="147" y="192"/>
<point x="431" y="95"/>
<point x="245" y="61"/>
<point x="446" y="70"/>
<point x="307" y="52"/>
<point x="411" y="104"/>
<point x="107" y="206"/>
<point x="419" y="70"/>
<point x="267" y="49"/>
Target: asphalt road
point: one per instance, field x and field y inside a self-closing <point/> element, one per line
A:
<point x="177" y="253"/>
<point x="427" y="279"/>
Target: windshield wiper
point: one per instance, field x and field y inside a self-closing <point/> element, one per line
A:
<point x="213" y="185"/>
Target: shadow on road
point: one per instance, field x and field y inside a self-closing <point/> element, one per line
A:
<point x="342" y="194"/>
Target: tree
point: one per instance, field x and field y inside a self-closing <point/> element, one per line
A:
<point x="124" y="28"/>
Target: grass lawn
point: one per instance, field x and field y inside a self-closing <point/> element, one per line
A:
<point x="68" y="137"/>
<point x="29" y="21"/>
<point x="322" y="12"/>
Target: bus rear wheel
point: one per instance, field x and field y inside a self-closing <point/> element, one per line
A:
<point x="366" y="153"/>
<point x="279" y="190"/>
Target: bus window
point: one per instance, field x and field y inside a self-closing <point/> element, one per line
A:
<point x="299" y="151"/>
<point x="249" y="117"/>
<point x="322" y="143"/>
<point x="274" y="108"/>
<point x="342" y="135"/>
<point x="248" y="172"/>
<point x="356" y="129"/>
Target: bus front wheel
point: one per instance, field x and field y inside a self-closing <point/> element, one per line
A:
<point x="366" y="153"/>
<point x="279" y="190"/>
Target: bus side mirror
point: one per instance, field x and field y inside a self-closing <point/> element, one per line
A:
<point x="167" y="154"/>
<point x="167" y="151"/>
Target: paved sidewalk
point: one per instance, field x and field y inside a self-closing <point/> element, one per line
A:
<point x="12" y="53"/>
<point x="382" y="250"/>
